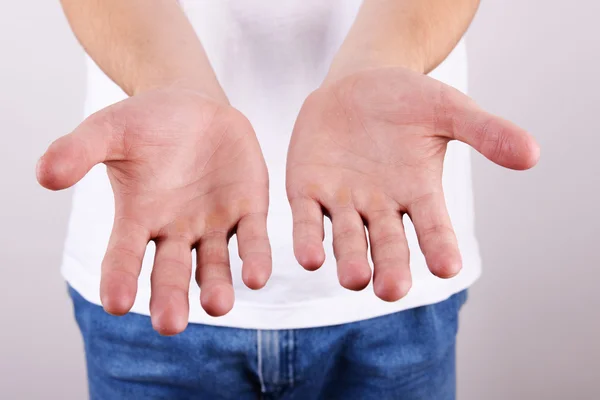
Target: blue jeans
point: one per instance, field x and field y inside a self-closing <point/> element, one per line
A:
<point x="408" y="355"/>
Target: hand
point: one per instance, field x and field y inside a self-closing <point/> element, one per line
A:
<point x="186" y="171"/>
<point x="370" y="147"/>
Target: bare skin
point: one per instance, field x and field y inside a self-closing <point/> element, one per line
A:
<point x="185" y="166"/>
<point x="367" y="149"/>
<point x="186" y="171"/>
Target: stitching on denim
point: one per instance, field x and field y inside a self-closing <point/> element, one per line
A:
<point x="276" y="364"/>
<point x="260" y="366"/>
<point x="291" y="357"/>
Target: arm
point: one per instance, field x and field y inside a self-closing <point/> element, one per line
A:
<point x="142" y="44"/>
<point x="368" y="146"/>
<point x="416" y="34"/>
<point x="185" y="167"/>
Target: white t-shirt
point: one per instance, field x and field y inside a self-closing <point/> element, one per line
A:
<point x="269" y="55"/>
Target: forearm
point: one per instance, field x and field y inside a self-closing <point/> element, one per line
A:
<point x="416" y="34"/>
<point x="142" y="44"/>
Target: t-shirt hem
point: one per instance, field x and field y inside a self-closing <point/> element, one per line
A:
<point x="307" y="314"/>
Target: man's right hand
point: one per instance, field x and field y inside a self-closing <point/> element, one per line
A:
<point x="186" y="172"/>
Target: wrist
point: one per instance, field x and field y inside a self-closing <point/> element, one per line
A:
<point x="205" y="85"/>
<point x="346" y="63"/>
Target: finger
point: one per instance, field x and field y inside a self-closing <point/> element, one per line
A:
<point x="350" y="248"/>
<point x="169" y="304"/>
<point x="499" y="140"/>
<point x="254" y="250"/>
<point x="214" y="275"/>
<point x="70" y="157"/>
<point x="436" y="236"/>
<point x="390" y="254"/>
<point x="122" y="264"/>
<point x="308" y="232"/>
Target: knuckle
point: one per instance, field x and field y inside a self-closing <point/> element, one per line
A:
<point x="119" y="254"/>
<point x="492" y="137"/>
<point x="346" y="233"/>
<point x="388" y="239"/>
<point x="436" y="232"/>
<point x="214" y="255"/>
<point x="175" y="262"/>
<point x="112" y="269"/>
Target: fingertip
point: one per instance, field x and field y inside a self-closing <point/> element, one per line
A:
<point x="116" y="304"/>
<point x="498" y="139"/>
<point x="39" y="173"/>
<point x="354" y="276"/>
<point x="391" y="290"/>
<point x="169" y="311"/>
<point x="169" y="323"/>
<point x="217" y="300"/>
<point x="169" y="329"/>
<point x="533" y="156"/>
<point x="254" y="281"/>
<point x="48" y="174"/>
<point x="522" y="152"/>
<point x="117" y="297"/>
<point x="445" y="265"/>
<point x="256" y="273"/>
<point x="311" y="257"/>
<point x="63" y="164"/>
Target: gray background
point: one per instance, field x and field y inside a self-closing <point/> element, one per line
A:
<point x="531" y="327"/>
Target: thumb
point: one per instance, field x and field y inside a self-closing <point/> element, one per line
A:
<point x="499" y="140"/>
<point x="69" y="158"/>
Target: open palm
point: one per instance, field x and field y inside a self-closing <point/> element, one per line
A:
<point x="369" y="148"/>
<point x="186" y="172"/>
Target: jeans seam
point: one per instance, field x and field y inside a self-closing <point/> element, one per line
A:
<point x="291" y="351"/>
<point x="263" y="389"/>
<point x="276" y="367"/>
